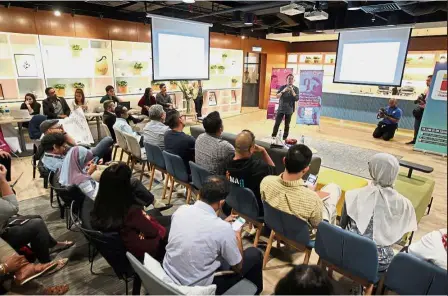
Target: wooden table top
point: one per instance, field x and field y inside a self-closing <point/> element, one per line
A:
<point x="10" y="119"/>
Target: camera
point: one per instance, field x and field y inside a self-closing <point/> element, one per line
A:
<point x="381" y="113"/>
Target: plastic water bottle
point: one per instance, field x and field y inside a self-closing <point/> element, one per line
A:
<point x="302" y="140"/>
<point x="279" y="135"/>
<point x="6" y="110"/>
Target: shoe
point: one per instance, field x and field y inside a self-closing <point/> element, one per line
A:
<point x="32" y="271"/>
<point x="410" y="143"/>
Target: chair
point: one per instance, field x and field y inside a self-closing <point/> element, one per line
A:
<point x="138" y="154"/>
<point x="198" y="175"/>
<point x="348" y="253"/>
<point x="155" y="161"/>
<point x="121" y="141"/>
<point x="155" y="286"/>
<point x="177" y="172"/>
<point x="288" y="229"/>
<point x="35" y="134"/>
<point x="244" y="203"/>
<point x="409" y="275"/>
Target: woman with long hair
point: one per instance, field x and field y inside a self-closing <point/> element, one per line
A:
<point x="147" y="101"/>
<point x="30" y="104"/>
<point x="80" y="100"/>
<point x="116" y="210"/>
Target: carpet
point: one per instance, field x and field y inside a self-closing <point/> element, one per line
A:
<point x="342" y="157"/>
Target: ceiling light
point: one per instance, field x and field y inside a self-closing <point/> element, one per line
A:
<point x="353" y="5"/>
<point x="243" y="37"/>
<point x="373" y="18"/>
<point x="148" y="14"/>
<point x="57" y="13"/>
<point x="248" y="19"/>
<point x="188" y="1"/>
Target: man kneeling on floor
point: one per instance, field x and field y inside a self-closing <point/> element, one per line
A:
<point x="391" y="116"/>
<point x="200" y="244"/>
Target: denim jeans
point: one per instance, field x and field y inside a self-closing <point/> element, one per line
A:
<point x="103" y="147"/>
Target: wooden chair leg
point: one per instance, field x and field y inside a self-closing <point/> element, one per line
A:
<point x="143" y="170"/>
<point x="188" y="195"/>
<point x="152" y="170"/>
<point x="132" y="164"/>
<point x="121" y="155"/>
<point x="129" y="159"/>
<point x="268" y="249"/>
<point x="115" y="152"/>
<point x="257" y="236"/>
<point x="165" y="185"/>
<point x="307" y="255"/>
<point x="171" y="189"/>
<point x="369" y="290"/>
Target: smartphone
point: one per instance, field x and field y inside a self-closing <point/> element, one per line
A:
<point x="238" y="223"/>
<point x="311" y="180"/>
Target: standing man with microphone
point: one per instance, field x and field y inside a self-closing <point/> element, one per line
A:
<point x="288" y="95"/>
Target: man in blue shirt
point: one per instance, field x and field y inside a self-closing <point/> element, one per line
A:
<point x="391" y="116"/>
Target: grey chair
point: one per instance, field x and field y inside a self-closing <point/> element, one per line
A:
<point x="244" y="203"/>
<point x="156" y="161"/>
<point x="137" y="153"/>
<point x="154" y="286"/>
<point x="289" y="229"/>
<point x="198" y="175"/>
<point x="177" y="172"/>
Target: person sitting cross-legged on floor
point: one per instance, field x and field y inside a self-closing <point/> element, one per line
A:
<point x="200" y="244"/>
<point x="288" y="192"/>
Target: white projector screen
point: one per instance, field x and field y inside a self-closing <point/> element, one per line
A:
<point x="373" y="57"/>
<point x="180" y="49"/>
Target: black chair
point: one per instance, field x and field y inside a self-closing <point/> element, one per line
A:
<point x="111" y="247"/>
<point x="244" y="203"/>
<point x="198" y="175"/>
<point x="155" y="160"/>
<point x="35" y="134"/>
<point x="288" y="229"/>
<point x="177" y="172"/>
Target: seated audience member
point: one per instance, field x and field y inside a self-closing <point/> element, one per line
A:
<point x="80" y="100"/>
<point x="77" y="170"/>
<point x="431" y="247"/>
<point x="55" y="107"/>
<point x="200" y="244"/>
<point x="305" y="280"/>
<point x="288" y="192"/>
<point x="31" y="105"/>
<point x="109" y="117"/>
<point x="55" y="147"/>
<point x="110" y="96"/>
<point x="154" y="131"/>
<point x="176" y="141"/>
<point x="391" y="116"/>
<point x="164" y="99"/>
<point x="378" y="211"/>
<point x="116" y="210"/>
<point x="212" y="151"/>
<point x="5" y="160"/>
<point x="19" y="231"/>
<point x="121" y="121"/>
<point x="147" y="101"/>
<point x="245" y="170"/>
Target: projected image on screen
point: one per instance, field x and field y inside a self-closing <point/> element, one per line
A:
<point x="373" y="57"/>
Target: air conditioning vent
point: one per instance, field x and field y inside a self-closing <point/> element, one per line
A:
<point x="380" y="8"/>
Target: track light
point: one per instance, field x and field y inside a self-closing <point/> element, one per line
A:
<point x="57" y="13"/>
<point x="353" y="5"/>
<point x="248" y="19"/>
<point x="373" y="18"/>
<point x="188" y="1"/>
<point x="148" y="14"/>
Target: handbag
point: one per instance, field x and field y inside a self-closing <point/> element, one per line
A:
<point x="418" y="112"/>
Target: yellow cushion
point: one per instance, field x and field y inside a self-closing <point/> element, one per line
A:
<point x="345" y="181"/>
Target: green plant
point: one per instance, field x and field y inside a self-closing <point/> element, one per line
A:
<point x="59" y="86"/>
<point x="122" y="83"/>
<point x="234" y="80"/>
<point x="173" y="82"/>
<point x="76" y="47"/>
<point x="138" y="65"/>
<point x="78" y="85"/>
<point x="221" y="68"/>
<point x="224" y="55"/>
<point x="316" y="58"/>
<point x="214" y="67"/>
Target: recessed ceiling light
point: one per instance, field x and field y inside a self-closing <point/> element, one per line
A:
<point x="188" y="1"/>
<point x="57" y="13"/>
<point x="243" y="37"/>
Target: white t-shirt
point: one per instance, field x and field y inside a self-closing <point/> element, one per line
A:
<point x="430" y="247"/>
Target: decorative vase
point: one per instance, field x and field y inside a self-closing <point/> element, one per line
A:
<point x="221" y="71"/>
<point x="101" y="66"/>
<point x="60" y="92"/>
<point x="76" y="53"/>
<point x="234" y="84"/>
<point x="137" y="71"/>
<point x="122" y="89"/>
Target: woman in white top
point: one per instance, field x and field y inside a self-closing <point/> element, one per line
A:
<point x="431" y="247"/>
<point x="77" y="170"/>
<point x="80" y="100"/>
<point x="378" y="211"/>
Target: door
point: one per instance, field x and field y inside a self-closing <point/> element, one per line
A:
<point x="251" y="80"/>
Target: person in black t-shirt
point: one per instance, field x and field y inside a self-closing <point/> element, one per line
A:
<point x="245" y="170"/>
<point x="176" y="141"/>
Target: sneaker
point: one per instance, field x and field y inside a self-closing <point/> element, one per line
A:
<point x="410" y="143"/>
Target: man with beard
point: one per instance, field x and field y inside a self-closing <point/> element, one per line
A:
<point x="54" y="106"/>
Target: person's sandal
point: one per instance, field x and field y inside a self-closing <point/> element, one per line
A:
<point x="55" y="290"/>
<point x="61" y="263"/>
<point x="57" y="249"/>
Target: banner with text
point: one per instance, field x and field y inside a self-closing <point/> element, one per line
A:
<point x="432" y="134"/>
<point x="310" y="97"/>
<point x="278" y="78"/>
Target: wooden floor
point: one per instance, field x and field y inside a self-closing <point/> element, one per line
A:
<point x="351" y="133"/>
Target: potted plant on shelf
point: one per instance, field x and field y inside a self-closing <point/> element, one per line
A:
<point x="60" y="89"/>
<point x="224" y="57"/>
<point x="138" y="68"/>
<point x="122" y="86"/>
<point x="78" y="85"/>
<point x="307" y="60"/>
<point x="76" y="50"/>
<point x="316" y="59"/>
<point x="221" y="69"/>
<point x="187" y="91"/>
<point x="234" y="82"/>
<point x="213" y="69"/>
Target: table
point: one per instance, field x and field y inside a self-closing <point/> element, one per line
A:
<point x="19" y="121"/>
<point x="98" y="117"/>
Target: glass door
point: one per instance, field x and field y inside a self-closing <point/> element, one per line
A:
<point x="251" y="79"/>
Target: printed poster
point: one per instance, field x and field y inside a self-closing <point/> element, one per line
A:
<point x="310" y="97"/>
<point x="76" y="126"/>
<point x="278" y="78"/>
<point x="432" y="134"/>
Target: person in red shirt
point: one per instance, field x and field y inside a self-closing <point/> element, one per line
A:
<point x="147" y="101"/>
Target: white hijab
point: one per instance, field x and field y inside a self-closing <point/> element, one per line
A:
<point x="393" y="214"/>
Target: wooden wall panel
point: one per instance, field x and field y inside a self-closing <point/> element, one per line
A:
<point x="428" y="43"/>
<point x="122" y="30"/>
<point x="49" y="24"/>
<point x="21" y="21"/>
<point x="90" y="27"/>
<point x="144" y="32"/>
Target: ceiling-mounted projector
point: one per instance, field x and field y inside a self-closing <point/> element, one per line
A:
<point x="316" y="15"/>
<point x="292" y="9"/>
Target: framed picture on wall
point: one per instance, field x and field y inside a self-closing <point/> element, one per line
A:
<point x="234" y="100"/>
<point x="26" y="65"/>
<point x="2" y="96"/>
<point x="212" y="101"/>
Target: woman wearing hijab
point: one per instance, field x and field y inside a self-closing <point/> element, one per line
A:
<point x="432" y="248"/>
<point x="378" y="211"/>
<point x="76" y="171"/>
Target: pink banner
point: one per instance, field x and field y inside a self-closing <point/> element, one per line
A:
<point x="278" y="78"/>
<point x="310" y="97"/>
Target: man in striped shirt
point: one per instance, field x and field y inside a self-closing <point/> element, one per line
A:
<point x="289" y="193"/>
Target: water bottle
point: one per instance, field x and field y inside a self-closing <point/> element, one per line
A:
<point x="280" y="135"/>
<point x="302" y="140"/>
<point x="6" y="110"/>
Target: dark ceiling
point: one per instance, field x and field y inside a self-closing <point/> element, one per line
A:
<point x="228" y="16"/>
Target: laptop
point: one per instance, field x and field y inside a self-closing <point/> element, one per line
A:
<point x="125" y="104"/>
<point x="20" y="114"/>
